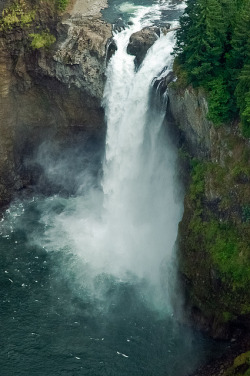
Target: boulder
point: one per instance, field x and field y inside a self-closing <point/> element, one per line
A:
<point x="141" y="41"/>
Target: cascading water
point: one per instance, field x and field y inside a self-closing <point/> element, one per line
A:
<point x="87" y="281"/>
<point x="129" y="233"/>
<point x="141" y="210"/>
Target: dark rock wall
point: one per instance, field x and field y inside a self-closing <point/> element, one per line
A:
<point x="214" y="234"/>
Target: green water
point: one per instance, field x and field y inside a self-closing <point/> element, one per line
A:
<point x="51" y="324"/>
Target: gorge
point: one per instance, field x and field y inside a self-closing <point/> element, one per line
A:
<point x="91" y="175"/>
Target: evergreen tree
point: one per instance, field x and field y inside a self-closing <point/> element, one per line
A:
<point x="213" y="51"/>
<point x="187" y="20"/>
<point x="200" y="42"/>
<point x="242" y="94"/>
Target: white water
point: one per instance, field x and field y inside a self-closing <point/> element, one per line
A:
<point x="142" y="213"/>
<point x="128" y="229"/>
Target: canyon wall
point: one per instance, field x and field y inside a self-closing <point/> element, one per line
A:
<point x="49" y="93"/>
<point x="214" y="234"/>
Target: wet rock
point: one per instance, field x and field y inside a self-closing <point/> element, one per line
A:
<point x="141" y="41"/>
<point x="119" y="25"/>
<point x="161" y="84"/>
<point x="111" y="48"/>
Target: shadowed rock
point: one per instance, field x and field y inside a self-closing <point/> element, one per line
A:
<point x="161" y="84"/>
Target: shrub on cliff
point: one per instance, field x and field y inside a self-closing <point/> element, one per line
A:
<point x="42" y="40"/>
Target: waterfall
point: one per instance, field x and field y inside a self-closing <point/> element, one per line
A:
<point x="127" y="228"/>
<point x="87" y="280"/>
<point x="141" y="209"/>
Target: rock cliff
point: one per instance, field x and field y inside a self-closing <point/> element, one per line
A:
<point x="214" y="234"/>
<point x="46" y="93"/>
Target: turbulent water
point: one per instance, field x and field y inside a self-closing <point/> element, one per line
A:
<point x="88" y="282"/>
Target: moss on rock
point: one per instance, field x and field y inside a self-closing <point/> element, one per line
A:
<point x="240" y="367"/>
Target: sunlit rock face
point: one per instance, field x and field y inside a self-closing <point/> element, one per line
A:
<point x="49" y="94"/>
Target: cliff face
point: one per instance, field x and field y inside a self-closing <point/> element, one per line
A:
<point x="189" y="109"/>
<point x="214" y="234"/>
<point x="48" y="93"/>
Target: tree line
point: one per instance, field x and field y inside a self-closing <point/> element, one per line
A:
<point x="213" y="51"/>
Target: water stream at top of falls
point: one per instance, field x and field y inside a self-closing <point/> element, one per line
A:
<point x="88" y="281"/>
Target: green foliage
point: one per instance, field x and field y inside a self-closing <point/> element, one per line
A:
<point x="229" y="251"/>
<point x="218" y="101"/>
<point x="18" y="14"/>
<point x="61" y="4"/>
<point x="213" y="49"/>
<point x="241" y="172"/>
<point x="240" y="367"/>
<point x="197" y="186"/>
<point x="181" y="74"/>
<point x="42" y="40"/>
<point x="226" y="243"/>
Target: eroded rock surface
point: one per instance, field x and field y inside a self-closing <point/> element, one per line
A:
<point x="80" y="59"/>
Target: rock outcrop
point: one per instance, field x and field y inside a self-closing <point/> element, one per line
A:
<point x="50" y="93"/>
<point x="141" y="41"/>
<point x="189" y="109"/>
<point x="79" y="60"/>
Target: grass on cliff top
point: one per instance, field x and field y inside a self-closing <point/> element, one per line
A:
<point x="24" y="15"/>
